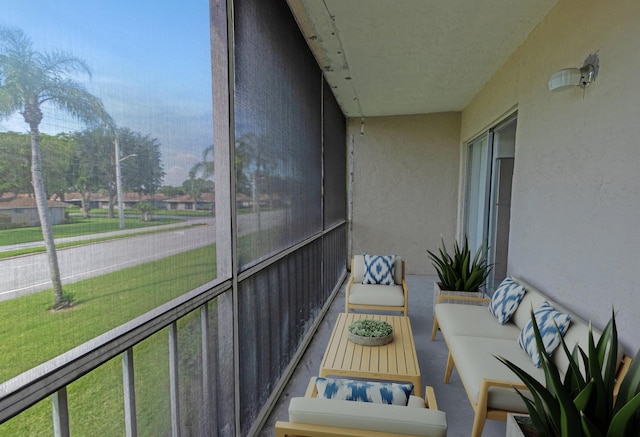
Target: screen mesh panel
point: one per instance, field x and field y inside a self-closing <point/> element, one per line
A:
<point x="334" y="134"/>
<point x="278" y="131"/>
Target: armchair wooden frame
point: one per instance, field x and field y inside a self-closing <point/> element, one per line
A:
<point x="284" y="429"/>
<point x="405" y="290"/>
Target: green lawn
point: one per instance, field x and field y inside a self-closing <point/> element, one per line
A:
<point x="76" y="226"/>
<point x="31" y="335"/>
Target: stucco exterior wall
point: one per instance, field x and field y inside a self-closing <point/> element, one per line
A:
<point x="405" y="185"/>
<point x="576" y="187"/>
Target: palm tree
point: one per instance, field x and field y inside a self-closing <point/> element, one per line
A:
<point x="206" y="168"/>
<point x="29" y="79"/>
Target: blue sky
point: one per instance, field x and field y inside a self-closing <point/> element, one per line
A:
<point x="150" y="64"/>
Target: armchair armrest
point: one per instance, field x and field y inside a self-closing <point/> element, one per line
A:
<point x="405" y="290"/>
<point x="430" y="398"/>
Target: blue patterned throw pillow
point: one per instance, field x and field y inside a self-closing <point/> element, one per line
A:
<point x="378" y="269"/>
<point x="364" y="391"/>
<point x="506" y="299"/>
<point x="547" y="318"/>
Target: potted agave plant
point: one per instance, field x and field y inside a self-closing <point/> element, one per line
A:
<point x="583" y="402"/>
<point x="459" y="274"/>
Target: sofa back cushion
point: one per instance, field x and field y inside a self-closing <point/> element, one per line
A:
<point x="358" y="269"/>
<point x="531" y="300"/>
<point x="577" y="334"/>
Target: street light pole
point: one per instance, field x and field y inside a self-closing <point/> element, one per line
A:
<point x="119" y="181"/>
<point x="119" y="184"/>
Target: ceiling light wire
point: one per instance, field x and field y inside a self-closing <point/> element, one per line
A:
<point x="346" y="65"/>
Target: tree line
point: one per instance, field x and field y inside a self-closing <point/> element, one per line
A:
<point x="82" y="162"/>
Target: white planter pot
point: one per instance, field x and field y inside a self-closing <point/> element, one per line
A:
<point x="437" y="292"/>
<point x="513" y="427"/>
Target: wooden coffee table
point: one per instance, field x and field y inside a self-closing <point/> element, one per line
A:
<point x="396" y="361"/>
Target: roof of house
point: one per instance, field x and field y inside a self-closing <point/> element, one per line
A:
<point x="23" y="201"/>
<point x="204" y="197"/>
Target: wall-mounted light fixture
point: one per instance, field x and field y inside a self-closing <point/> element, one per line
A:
<point x="572" y="77"/>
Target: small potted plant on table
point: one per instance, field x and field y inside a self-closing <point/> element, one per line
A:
<point x="459" y="275"/>
<point x="370" y="332"/>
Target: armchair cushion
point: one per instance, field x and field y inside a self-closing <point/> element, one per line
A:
<point x="389" y="295"/>
<point x="392" y="419"/>
<point x="364" y="391"/>
<point x="379" y="269"/>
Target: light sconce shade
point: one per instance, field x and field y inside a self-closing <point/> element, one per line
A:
<point x="572" y="77"/>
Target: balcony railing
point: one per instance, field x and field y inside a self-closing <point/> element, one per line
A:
<point x="313" y="270"/>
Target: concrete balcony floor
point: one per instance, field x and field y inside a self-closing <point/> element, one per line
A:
<point x="432" y="357"/>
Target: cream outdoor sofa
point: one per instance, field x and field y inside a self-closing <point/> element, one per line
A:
<point x="313" y="417"/>
<point x="373" y="296"/>
<point x="474" y="338"/>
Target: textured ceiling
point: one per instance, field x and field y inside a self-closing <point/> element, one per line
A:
<point x="392" y="57"/>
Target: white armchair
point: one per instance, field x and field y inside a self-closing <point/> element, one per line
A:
<point x="393" y="297"/>
<point x="310" y="416"/>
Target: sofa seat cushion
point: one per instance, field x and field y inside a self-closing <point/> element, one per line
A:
<point x="369" y="294"/>
<point x="366" y="416"/>
<point x="455" y="319"/>
<point x="475" y="359"/>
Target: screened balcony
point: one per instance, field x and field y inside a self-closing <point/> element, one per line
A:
<point x="337" y="128"/>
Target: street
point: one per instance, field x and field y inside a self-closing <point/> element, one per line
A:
<point x="30" y="273"/>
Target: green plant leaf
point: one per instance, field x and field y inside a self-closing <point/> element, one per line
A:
<point x="630" y="385"/>
<point x="600" y="412"/>
<point x="460" y="272"/>
<point x="621" y="423"/>
<point x="583" y="398"/>
<point x="544" y="405"/>
<point x="582" y="403"/>
<point x="588" y="428"/>
<point x="608" y="356"/>
<point x="574" y="381"/>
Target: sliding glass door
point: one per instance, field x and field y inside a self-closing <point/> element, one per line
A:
<point x="490" y="160"/>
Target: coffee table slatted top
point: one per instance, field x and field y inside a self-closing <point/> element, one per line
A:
<point x="396" y="361"/>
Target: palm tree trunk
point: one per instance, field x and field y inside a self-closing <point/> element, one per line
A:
<point x="84" y="202"/>
<point x="43" y="212"/>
